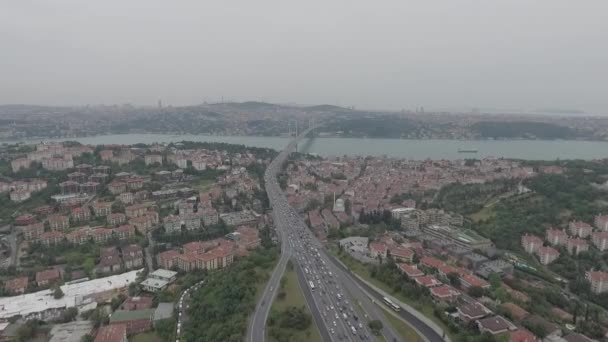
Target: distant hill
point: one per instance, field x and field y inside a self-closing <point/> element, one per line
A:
<point x="523" y="129"/>
<point x="327" y="108"/>
<point x="250" y="105"/>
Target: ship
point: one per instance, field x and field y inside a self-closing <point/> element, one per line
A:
<point x="467" y="150"/>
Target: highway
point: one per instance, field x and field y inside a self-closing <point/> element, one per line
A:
<point x="422" y="328"/>
<point x="328" y="290"/>
<point x="257" y="326"/>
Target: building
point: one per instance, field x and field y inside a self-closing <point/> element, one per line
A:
<point x="150" y="159"/>
<point x="576" y="246"/>
<point x="427" y="281"/>
<point x="110" y="261"/>
<point x="81" y="214"/>
<point x="89" y="188"/>
<point x="16" y="285"/>
<point x="470" y="280"/>
<point x="24" y="220"/>
<point x="247" y="238"/>
<point x="494" y="325"/>
<point x="500" y="267"/>
<point x="410" y="270"/>
<point x="472" y="311"/>
<point x="210" y="217"/>
<point x="377" y="250"/>
<point x="167" y="259"/>
<point x="137" y="321"/>
<point x="42" y="305"/>
<point x="137" y="303"/>
<point x="126" y="197"/>
<point x="456" y="236"/>
<point x="20" y="195"/>
<point x="531" y="243"/>
<point x="32" y="231"/>
<point x="239" y="218"/>
<point x="124" y="232"/>
<point x="444" y="293"/>
<point x="601" y="222"/>
<point x="51" y="238"/>
<point x="522" y="335"/>
<point x="135" y="210"/>
<point x="102" y="208"/>
<point x="145" y="222"/>
<point x="192" y="221"/>
<point x="158" y="280"/>
<point x="112" y="333"/>
<point x="132" y="256"/>
<point x="20" y="163"/>
<point x="580" y="229"/>
<point x="185" y="208"/>
<point x="400" y="254"/>
<point x="172" y="224"/>
<point x="116" y="219"/>
<point x="598" y="280"/>
<point x="547" y="255"/>
<point x="69" y="187"/>
<point x="47" y="277"/>
<point x="556" y="237"/>
<point x="59" y="222"/>
<point x="117" y="187"/>
<point x="600" y="240"/>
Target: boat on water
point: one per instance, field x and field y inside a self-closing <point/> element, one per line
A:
<point x="467" y="150"/>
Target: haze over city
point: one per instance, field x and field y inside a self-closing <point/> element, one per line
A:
<point x="453" y="55"/>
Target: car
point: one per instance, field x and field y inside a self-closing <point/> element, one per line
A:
<point x="335" y="325"/>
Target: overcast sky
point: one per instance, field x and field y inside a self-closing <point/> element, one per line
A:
<point x="370" y="54"/>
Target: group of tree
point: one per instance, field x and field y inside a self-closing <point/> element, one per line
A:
<point x="219" y="310"/>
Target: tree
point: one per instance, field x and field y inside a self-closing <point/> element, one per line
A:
<point x="475" y="291"/>
<point x="375" y="326"/>
<point x="495" y="280"/>
<point x="68" y="315"/>
<point x="26" y="331"/>
<point x="87" y="338"/>
<point x="454" y="279"/>
<point x="58" y="293"/>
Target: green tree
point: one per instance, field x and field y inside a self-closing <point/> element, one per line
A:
<point x="475" y="291"/>
<point x="87" y="338"/>
<point x="454" y="279"/>
<point x="58" y="293"/>
<point x="495" y="280"/>
<point x="375" y="326"/>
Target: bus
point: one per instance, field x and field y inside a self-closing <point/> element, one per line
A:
<point x="391" y="304"/>
<point x="312" y="285"/>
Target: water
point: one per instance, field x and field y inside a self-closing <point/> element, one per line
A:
<point x="412" y="149"/>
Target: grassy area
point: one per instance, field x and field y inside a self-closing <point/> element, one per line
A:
<point x="406" y="332"/>
<point x="295" y="298"/>
<point x="145" y="337"/>
<point x="362" y="270"/>
<point x="202" y="184"/>
<point x="484" y="214"/>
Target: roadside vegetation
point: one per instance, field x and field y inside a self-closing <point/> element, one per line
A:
<point x="290" y="319"/>
<point x="219" y="310"/>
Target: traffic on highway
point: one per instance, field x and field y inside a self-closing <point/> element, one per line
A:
<point x="339" y="316"/>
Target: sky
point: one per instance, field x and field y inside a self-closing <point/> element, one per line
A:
<point x="386" y="54"/>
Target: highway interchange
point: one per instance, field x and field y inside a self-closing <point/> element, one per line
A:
<point x="340" y="304"/>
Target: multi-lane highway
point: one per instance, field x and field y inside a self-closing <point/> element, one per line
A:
<point x="341" y="307"/>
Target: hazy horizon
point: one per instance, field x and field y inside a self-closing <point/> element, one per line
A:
<point x="403" y="54"/>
